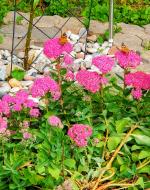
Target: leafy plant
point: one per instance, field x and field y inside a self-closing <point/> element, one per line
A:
<point x="19" y="20"/>
<point x="18" y="74"/>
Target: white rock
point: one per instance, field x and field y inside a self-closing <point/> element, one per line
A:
<point x="106" y="50"/>
<point x="88" y="58"/>
<point x="96" y="45"/>
<point x="6" y="54"/>
<point x="68" y="33"/>
<point x="36" y="47"/>
<point x="3" y="73"/>
<point x="34" y="99"/>
<point x="82" y="33"/>
<point x="105" y="44"/>
<point x="14" y="90"/>
<point x="89" y="45"/>
<point x="94" y="68"/>
<point x="74" y="37"/>
<point x="4" y="88"/>
<point x="78" y="61"/>
<point x="91" y="50"/>
<point x="32" y="72"/>
<point x="77" y="48"/>
<point x="26" y="83"/>
<point x="88" y="64"/>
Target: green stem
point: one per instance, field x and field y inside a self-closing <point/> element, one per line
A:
<point x="63" y="158"/>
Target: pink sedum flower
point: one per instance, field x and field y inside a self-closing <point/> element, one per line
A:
<point x="79" y="133"/>
<point x="27" y="135"/>
<point x="4" y="108"/>
<point x="139" y="80"/>
<point x="104" y="80"/>
<point x="53" y="48"/>
<point x="44" y="85"/>
<point x="136" y="93"/>
<point x="17" y="107"/>
<point x="25" y="124"/>
<point x="128" y="60"/>
<point x="3" y="125"/>
<point x="103" y="63"/>
<point x="89" y="80"/>
<point x="34" y="112"/>
<point x="69" y="76"/>
<point x="68" y="60"/>
<point x="55" y="121"/>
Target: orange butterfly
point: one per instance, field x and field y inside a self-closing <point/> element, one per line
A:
<point x="124" y="48"/>
<point x="63" y="39"/>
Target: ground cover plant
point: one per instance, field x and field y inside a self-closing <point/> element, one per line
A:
<point x="128" y="11"/>
<point x="84" y="130"/>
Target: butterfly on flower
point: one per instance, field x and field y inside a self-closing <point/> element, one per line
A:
<point x="63" y="39"/>
<point x="124" y="49"/>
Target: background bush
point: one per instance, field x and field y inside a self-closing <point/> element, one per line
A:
<point x="128" y="11"/>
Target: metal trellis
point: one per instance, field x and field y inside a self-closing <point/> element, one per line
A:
<point x="61" y="27"/>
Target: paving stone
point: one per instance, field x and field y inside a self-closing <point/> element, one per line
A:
<point x="147" y="29"/>
<point x="7" y="44"/>
<point x="98" y="27"/>
<point x="39" y="38"/>
<point x="131" y="29"/>
<point x="20" y="31"/>
<point x="9" y="18"/>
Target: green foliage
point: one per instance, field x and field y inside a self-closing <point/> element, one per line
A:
<point x="5" y="7"/>
<point x="134" y="11"/>
<point x="50" y="157"/>
<point x="18" y="74"/>
<point x="19" y="20"/>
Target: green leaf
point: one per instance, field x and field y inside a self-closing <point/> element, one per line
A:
<point x="113" y="143"/>
<point x="145" y="169"/>
<point x="55" y="172"/>
<point x="70" y="163"/>
<point x="140" y="182"/>
<point x="35" y="3"/>
<point x="121" y="124"/>
<point x="142" y="139"/>
<point x="144" y="154"/>
<point x="135" y="147"/>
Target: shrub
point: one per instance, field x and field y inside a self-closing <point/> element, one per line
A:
<point x="78" y="130"/>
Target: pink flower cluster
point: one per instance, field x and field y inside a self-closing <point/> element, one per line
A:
<point x="68" y="60"/>
<point x="16" y="103"/>
<point x="3" y="125"/>
<point x="139" y="81"/>
<point x="53" y="48"/>
<point x="103" y="63"/>
<point x="69" y="75"/>
<point x="90" y="80"/>
<point x="79" y="134"/>
<point x="55" y="121"/>
<point x="44" y="85"/>
<point x="128" y="60"/>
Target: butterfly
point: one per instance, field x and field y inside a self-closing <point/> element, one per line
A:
<point x="124" y="48"/>
<point x="63" y="39"/>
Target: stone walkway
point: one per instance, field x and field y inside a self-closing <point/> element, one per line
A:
<point x="135" y="37"/>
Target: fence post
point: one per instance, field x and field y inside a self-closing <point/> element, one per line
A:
<point x="111" y="18"/>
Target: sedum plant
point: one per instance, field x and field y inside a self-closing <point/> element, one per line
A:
<point x="80" y="130"/>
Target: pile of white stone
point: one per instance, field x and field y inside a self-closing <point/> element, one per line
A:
<point x="83" y="52"/>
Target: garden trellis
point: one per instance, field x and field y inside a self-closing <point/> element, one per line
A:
<point x="87" y="25"/>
